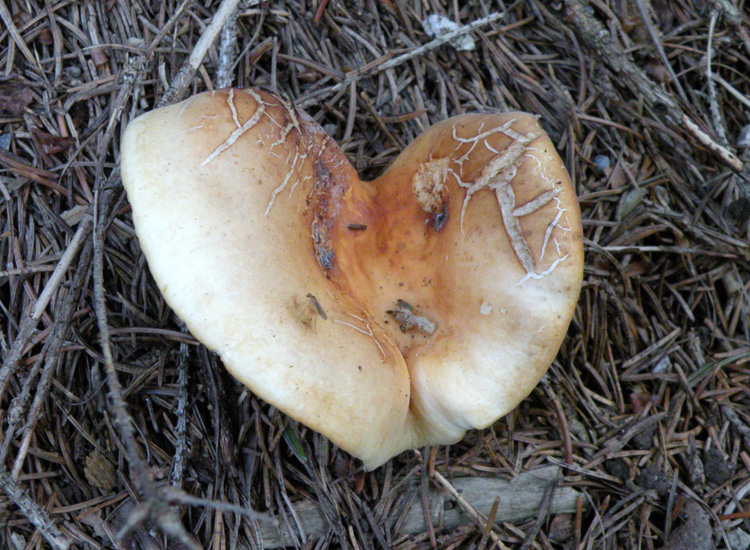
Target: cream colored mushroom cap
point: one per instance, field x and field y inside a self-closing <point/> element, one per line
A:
<point x="302" y="278"/>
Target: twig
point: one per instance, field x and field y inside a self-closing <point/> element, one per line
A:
<point x="153" y="506"/>
<point x="52" y="345"/>
<point x="469" y="509"/>
<point x="713" y="104"/>
<point x="227" y="51"/>
<point x="178" y="465"/>
<point x="439" y="41"/>
<point x="104" y="197"/>
<point x="544" y="510"/>
<point x="593" y="33"/>
<point x="646" y="18"/>
<point x="356" y="75"/>
<point x="519" y="501"/>
<point x="736" y="422"/>
<point x="733" y="16"/>
<point x="167" y="520"/>
<point x="722" y="152"/>
<point x="35" y="513"/>
<point x="425" y="499"/>
<point x="29" y="323"/>
<point x="18" y="40"/>
<point x="184" y="76"/>
<point x="172" y="495"/>
<point x="166" y="28"/>
<point x="732" y="90"/>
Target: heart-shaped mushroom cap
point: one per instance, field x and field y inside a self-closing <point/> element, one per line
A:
<point x="386" y="315"/>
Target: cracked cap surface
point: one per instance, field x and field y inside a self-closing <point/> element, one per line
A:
<point x="265" y="242"/>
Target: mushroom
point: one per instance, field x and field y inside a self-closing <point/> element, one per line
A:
<point x="386" y="315"/>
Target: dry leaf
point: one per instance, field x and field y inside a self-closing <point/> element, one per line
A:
<point x="100" y="472"/>
<point x="52" y="144"/>
<point x="15" y="97"/>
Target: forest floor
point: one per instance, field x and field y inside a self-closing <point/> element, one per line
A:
<point x="646" y="409"/>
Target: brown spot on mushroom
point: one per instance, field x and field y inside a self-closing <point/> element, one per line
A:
<point x="322" y="223"/>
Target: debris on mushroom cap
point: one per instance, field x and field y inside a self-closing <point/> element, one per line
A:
<point x="403" y="312"/>
<point x="247" y="211"/>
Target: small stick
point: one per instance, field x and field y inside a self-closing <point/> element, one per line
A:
<point x="29" y="323"/>
<point x="714" y="105"/>
<point x="426" y="501"/>
<point x="103" y="200"/>
<point x="167" y="27"/>
<point x="358" y="74"/>
<point x="227" y="51"/>
<point x="35" y="513"/>
<point x="469" y="509"/>
<point x="52" y="345"/>
<point x="725" y="154"/>
<point x="153" y="506"/>
<point x="185" y="75"/>
<point x="734" y="19"/>
<point x="18" y="40"/>
<point x="122" y="418"/>
<point x="440" y="40"/>
<point x="544" y="510"/>
<point x="178" y="465"/>
<point x="731" y="89"/>
<point x="646" y="18"/>
<point x="597" y="38"/>
<point x="173" y="495"/>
